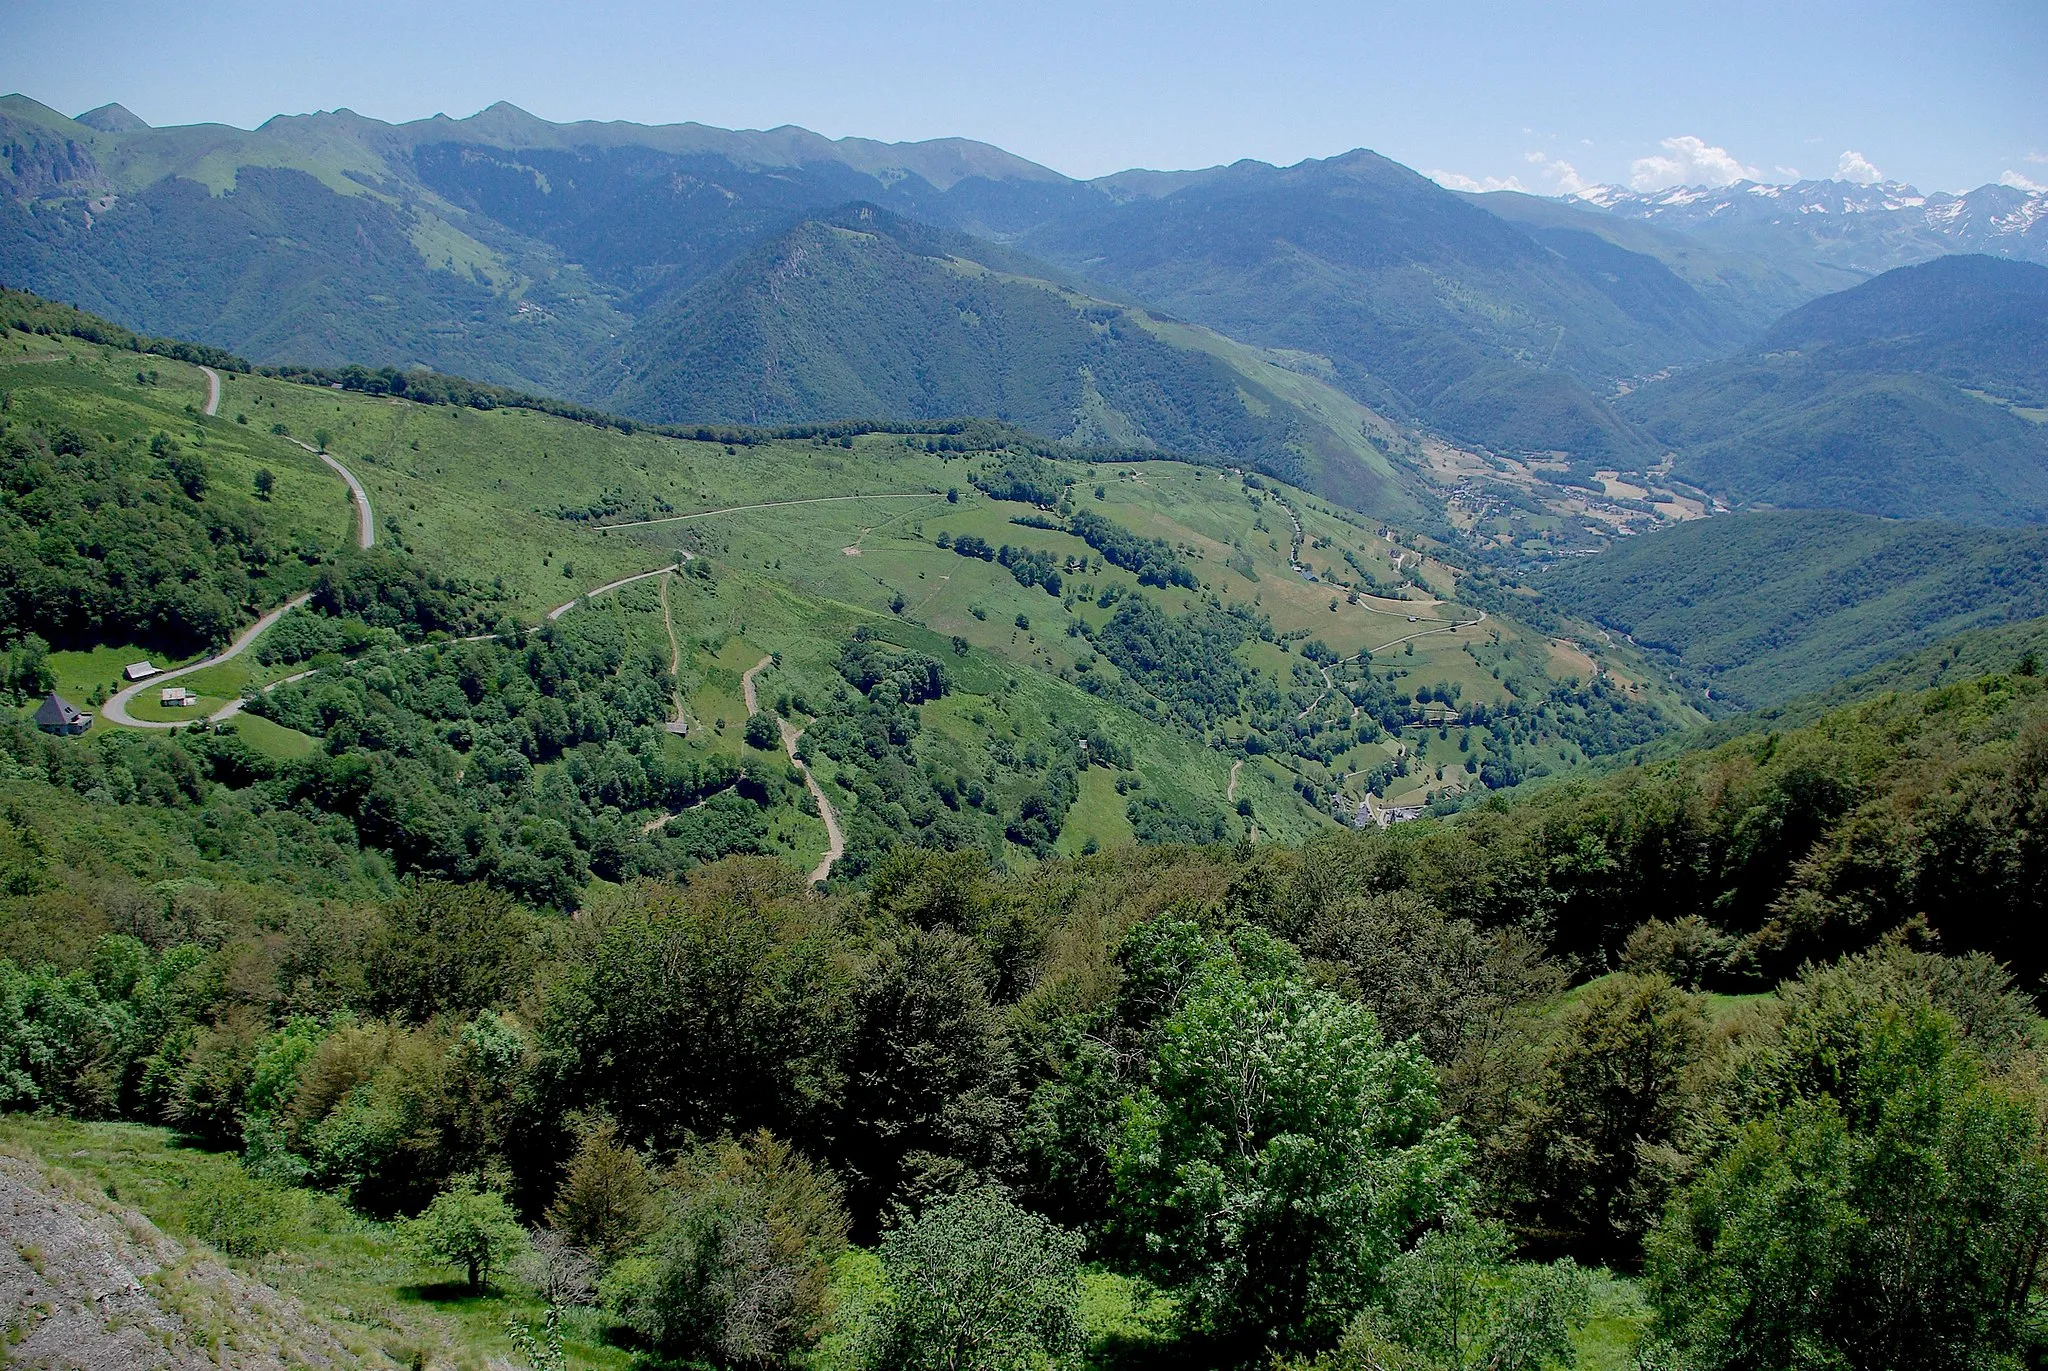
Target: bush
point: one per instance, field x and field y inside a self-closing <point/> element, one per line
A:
<point x="977" y="1284"/>
<point x="761" y="731"/>
<point x="738" y="1270"/>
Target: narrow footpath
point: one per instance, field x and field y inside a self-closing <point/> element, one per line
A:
<point x="835" y="841"/>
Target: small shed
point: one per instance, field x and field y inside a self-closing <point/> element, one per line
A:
<point x="141" y="671"/>
<point x="176" y="697"/>
<point x="59" y="715"/>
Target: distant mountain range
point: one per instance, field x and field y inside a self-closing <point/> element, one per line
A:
<point x="1857" y="230"/>
<point x="1309" y="320"/>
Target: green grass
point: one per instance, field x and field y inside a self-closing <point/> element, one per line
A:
<point x="273" y="740"/>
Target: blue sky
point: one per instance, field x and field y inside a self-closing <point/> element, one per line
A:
<point x="1544" y="96"/>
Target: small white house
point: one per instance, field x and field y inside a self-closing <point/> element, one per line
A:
<point x="175" y="697"/>
<point x="141" y="671"/>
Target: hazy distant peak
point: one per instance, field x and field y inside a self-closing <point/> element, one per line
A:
<point x="112" y="118"/>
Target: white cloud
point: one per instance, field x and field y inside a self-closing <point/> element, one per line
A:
<point x="1560" y="177"/>
<point x="1855" y="167"/>
<point x="2037" y="157"/>
<point x="1789" y="173"/>
<point x="2019" y="182"/>
<point x="1452" y="180"/>
<point x="1690" y="162"/>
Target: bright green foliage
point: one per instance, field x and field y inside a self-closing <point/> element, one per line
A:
<point x="1879" y="1200"/>
<point x="1456" y="1301"/>
<point x="468" y="1227"/>
<point x="737" y="1271"/>
<point x="103" y="1040"/>
<point x="1280" y="1154"/>
<point x="977" y="1284"/>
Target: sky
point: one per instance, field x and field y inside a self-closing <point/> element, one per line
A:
<point x="1546" y="97"/>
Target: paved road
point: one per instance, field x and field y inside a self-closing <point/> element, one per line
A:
<point x="115" y="710"/>
<point x="366" y="523"/>
<point x="835" y="841"/>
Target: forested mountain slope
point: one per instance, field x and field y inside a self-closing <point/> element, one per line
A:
<point x="1761" y="607"/>
<point x="860" y="312"/>
<point x="517" y="251"/>
<point x="1922" y="393"/>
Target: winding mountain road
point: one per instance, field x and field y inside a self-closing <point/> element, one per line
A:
<point x="212" y="392"/>
<point x="835" y="840"/>
<point x="115" y="710"/>
<point x="366" y="523"/>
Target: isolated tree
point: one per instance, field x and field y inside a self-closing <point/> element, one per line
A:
<point x="468" y="1227"/>
<point x="266" y="482"/>
<point x="761" y="731"/>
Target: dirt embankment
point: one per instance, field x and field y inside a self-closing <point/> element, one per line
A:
<point x="87" y="1284"/>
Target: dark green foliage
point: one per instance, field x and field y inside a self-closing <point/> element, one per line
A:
<point x="729" y="964"/>
<point x="387" y="590"/>
<point x="449" y="949"/>
<point x="737" y="1270"/>
<point x="922" y="1107"/>
<point x="760" y="730"/>
<point x="33" y="314"/>
<point x="1615" y="1086"/>
<point x="1022" y="477"/>
<point x="114" y="542"/>
<point x="1152" y="559"/>
<point x="879" y="320"/>
<point x="569" y="698"/>
<point x="1353" y="258"/>
<point x="1762" y="607"/>
<point x="1185" y="662"/>
<point x="1031" y="567"/>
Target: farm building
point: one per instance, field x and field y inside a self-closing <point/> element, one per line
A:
<point x="59" y="715"/>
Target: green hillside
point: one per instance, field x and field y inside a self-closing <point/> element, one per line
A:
<point x="1762" y="607"/>
<point x="1917" y="395"/>
<point x="863" y="313"/>
<point x="1149" y="609"/>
